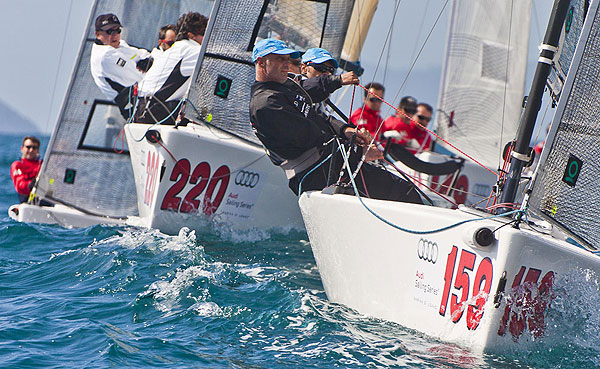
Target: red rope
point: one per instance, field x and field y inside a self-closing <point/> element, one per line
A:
<point x="433" y="133"/>
<point x="122" y="136"/>
<point x="423" y="184"/>
<point x="364" y="183"/>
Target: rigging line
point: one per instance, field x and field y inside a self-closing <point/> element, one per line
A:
<point x="510" y="24"/>
<point x="157" y="123"/>
<point x="420" y="30"/>
<point x="62" y="48"/>
<point x="418" y="180"/>
<point x="433" y="133"/>
<point x="379" y="217"/>
<point x="380" y="57"/>
<point x="389" y="47"/>
<point x="420" y="51"/>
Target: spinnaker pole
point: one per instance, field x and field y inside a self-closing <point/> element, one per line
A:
<point x="549" y="47"/>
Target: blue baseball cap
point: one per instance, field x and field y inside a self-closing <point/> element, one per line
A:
<point x="317" y="55"/>
<point x="272" y="46"/>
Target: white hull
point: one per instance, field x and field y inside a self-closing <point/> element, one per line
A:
<point x="59" y="214"/>
<point x="220" y="179"/>
<point x="420" y="281"/>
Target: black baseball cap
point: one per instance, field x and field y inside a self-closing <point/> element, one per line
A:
<point x="107" y="21"/>
<point x="409" y="104"/>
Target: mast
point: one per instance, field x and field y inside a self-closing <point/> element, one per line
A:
<point x="549" y="47"/>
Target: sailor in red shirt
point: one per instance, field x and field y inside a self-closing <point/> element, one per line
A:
<point x="401" y="121"/>
<point x="418" y="138"/>
<point x="23" y="172"/>
<point x="368" y="116"/>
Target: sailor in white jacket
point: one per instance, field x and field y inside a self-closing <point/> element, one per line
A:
<point x="166" y="39"/>
<point x="115" y="65"/>
<point x="168" y="81"/>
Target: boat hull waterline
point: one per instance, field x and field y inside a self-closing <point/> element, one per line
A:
<point x="442" y="284"/>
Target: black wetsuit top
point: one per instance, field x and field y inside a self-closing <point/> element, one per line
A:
<point x="285" y="120"/>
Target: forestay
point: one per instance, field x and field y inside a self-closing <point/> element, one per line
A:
<point x="225" y="72"/>
<point x="81" y="168"/>
<point x="565" y="190"/>
<point x="483" y="76"/>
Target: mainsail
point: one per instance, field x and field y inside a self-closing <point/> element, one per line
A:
<point x="483" y="76"/>
<point x="225" y="72"/>
<point x="568" y="42"/>
<point x="81" y="168"/>
<point x="565" y="190"/>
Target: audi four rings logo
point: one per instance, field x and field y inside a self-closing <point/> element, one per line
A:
<point x="246" y="179"/>
<point x="428" y="250"/>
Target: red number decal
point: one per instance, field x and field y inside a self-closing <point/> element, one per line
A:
<point x="202" y="173"/>
<point x="522" y="308"/>
<point x="484" y="275"/>
<point x="448" y="279"/>
<point x="460" y="189"/>
<point x="504" y="321"/>
<point x="151" y="171"/>
<point x="220" y="177"/>
<point x="462" y="282"/>
<point x="180" y="174"/>
<point x="540" y="303"/>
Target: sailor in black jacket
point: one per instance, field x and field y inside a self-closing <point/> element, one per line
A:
<point x="298" y="138"/>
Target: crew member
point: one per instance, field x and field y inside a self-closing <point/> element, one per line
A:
<point x="116" y="67"/>
<point x="368" y="116"/>
<point x="24" y="171"/>
<point x="168" y="81"/>
<point x="166" y="39"/>
<point x="299" y="139"/>
<point x="419" y="139"/>
<point x="401" y="121"/>
<point x="317" y="62"/>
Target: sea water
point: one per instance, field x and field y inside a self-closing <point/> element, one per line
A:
<point x="108" y="296"/>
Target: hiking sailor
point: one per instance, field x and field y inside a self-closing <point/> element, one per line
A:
<point x="319" y="62"/>
<point x="299" y="139"/>
<point x="168" y="81"/>
<point x="116" y="67"/>
<point x="166" y="39"/>
<point x="24" y="171"/>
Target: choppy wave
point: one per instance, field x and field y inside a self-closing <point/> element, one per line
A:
<point x="109" y="296"/>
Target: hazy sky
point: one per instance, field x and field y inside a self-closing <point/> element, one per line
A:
<point x="42" y="39"/>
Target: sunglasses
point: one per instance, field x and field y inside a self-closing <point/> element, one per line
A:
<point x="422" y="117"/>
<point x="32" y="147"/>
<point x="323" y="68"/>
<point x="113" y="30"/>
<point x="410" y="111"/>
<point x="374" y="100"/>
<point x="170" y="43"/>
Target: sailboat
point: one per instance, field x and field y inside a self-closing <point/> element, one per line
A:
<point x="202" y="171"/>
<point x="211" y="166"/>
<point x="86" y="174"/>
<point x="484" y="280"/>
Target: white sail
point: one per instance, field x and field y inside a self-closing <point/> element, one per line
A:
<point x="483" y="76"/>
<point x="86" y="166"/>
<point x="566" y="186"/>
